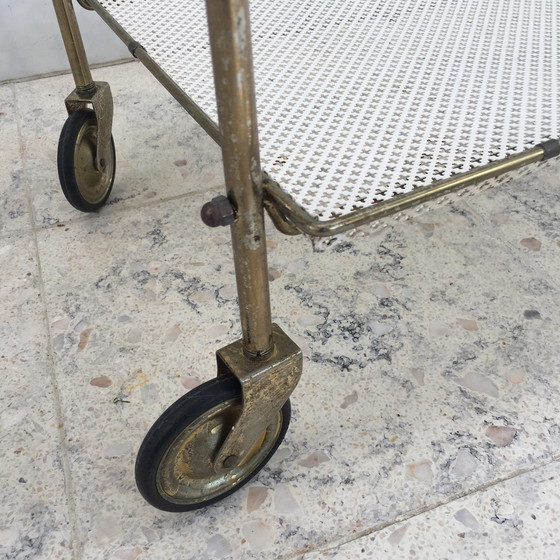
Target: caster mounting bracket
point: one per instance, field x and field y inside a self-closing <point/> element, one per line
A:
<point x="100" y="98"/>
<point x="266" y="383"/>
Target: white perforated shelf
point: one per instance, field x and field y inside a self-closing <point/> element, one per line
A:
<point x="362" y="100"/>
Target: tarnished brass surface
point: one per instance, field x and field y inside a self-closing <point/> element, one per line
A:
<point x="305" y="223"/>
<point x="186" y="474"/>
<point x="230" y="42"/>
<point x="266" y="385"/>
<point x="281" y="223"/>
<point x="73" y="43"/>
<point x="92" y="182"/>
<point x="100" y="98"/>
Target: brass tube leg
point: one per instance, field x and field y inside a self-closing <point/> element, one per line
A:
<point x="73" y="43"/>
<point x="228" y="22"/>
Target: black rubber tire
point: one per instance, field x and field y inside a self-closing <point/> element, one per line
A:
<point x="66" y="162"/>
<point x="173" y="421"/>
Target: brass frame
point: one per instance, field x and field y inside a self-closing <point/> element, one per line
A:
<point x="296" y="218"/>
<point x="265" y="361"/>
<point x="232" y="60"/>
<point x="74" y="44"/>
<point x="287" y="216"/>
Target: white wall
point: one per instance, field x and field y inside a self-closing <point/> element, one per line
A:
<point x="30" y="41"/>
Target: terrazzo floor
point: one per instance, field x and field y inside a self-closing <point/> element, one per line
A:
<point x="426" y="424"/>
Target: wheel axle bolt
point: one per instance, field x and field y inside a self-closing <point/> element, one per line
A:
<point x="218" y="212"/>
<point x="231" y="462"/>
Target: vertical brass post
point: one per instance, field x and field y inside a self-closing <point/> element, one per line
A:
<point x="230" y="40"/>
<point x="74" y="45"/>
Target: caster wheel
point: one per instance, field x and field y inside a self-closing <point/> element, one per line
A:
<point x="85" y="188"/>
<point x="174" y="465"/>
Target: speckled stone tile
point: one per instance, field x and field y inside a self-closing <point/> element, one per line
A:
<point x="514" y="519"/>
<point x="430" y="371"/>
<point x="159" y="147"/>
<point x="527" y="215"/>
<point x="14" y="214"/>
<point x="34" y="518"/>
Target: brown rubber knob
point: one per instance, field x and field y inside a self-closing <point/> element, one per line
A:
<point x="218" y="212"/>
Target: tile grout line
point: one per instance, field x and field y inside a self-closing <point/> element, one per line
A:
<point x="300" y="555"/>
<point x="109" y="210"/>
<point x="58" y="407"/>
<point x="66" y="72"/>
<point x="61" y="432"/>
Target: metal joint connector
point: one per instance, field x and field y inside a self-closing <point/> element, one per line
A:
<point x="133" y="46"/>
<point x="98" y="95"/>
<point x="85" y="4"/>
<point x="266" y="384"/>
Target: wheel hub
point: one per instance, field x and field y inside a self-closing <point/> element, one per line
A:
<point x="93" y="182"/>
<point x="186" y="474"/>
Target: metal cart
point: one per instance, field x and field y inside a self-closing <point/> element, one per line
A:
<point x="365" y="108"/>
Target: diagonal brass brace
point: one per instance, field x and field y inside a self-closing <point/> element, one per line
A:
<point x="100" y="98"/>
<point x="266" y="385"/>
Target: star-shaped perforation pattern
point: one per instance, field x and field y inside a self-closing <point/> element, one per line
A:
<point x="362" y="100"/>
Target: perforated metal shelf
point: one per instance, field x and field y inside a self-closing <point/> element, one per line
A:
<point x="362" y="100"/>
